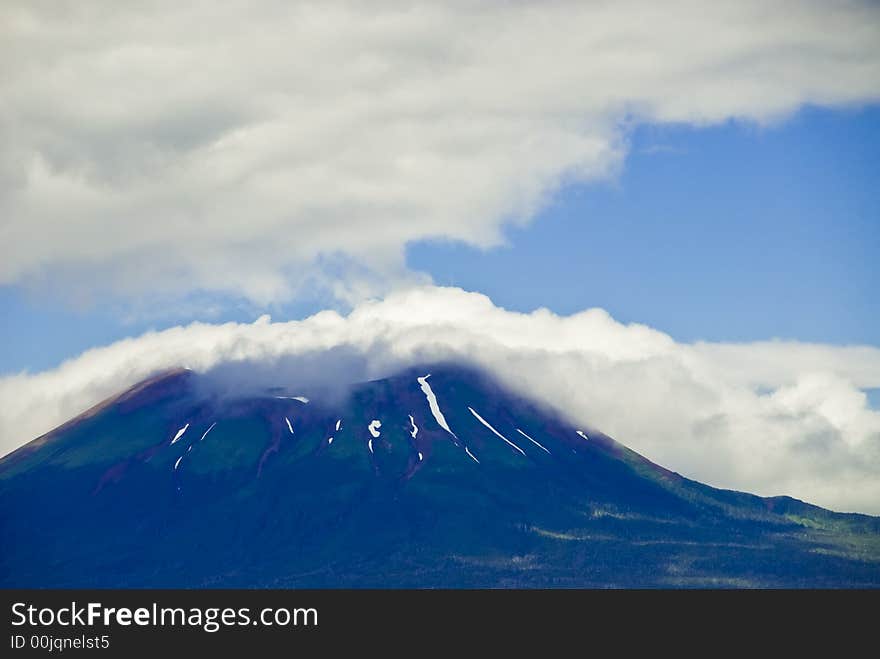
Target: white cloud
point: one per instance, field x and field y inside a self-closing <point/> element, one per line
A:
<point x="772" y="417"/>
<point x="171" y="147"/>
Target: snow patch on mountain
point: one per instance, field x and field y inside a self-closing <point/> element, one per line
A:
<point x="534" y="441"/>
<point x="489" y="426"/>
<point x="433" y="404"/>
<point x="179" y="434"/>
<point x="205" y="434"/>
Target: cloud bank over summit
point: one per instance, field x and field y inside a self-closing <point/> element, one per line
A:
<point x="768" y="417"/>
<point x="253" y="150"/>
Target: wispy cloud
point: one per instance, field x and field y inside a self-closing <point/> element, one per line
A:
<point x="240" y="147"/>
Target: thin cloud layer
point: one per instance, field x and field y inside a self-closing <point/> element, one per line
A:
<point x="255" y="149"/>
<point x="771" y="417"/>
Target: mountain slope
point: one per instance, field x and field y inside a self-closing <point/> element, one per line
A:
<point x="440" y="481"/>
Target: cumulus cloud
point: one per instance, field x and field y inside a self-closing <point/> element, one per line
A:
<point x="771" y="418"/>
<point x="257" y="148"/>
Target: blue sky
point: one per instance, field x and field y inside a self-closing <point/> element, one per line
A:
<point x="733" y="232"/>
<point x="729" y="233"/>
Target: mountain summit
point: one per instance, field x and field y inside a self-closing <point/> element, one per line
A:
<point x="435" y="477"/>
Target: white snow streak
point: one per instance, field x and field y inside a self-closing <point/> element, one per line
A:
<point x="486" y="423"/>
<point x="375" y="424"/>
<point x="177" y="463"/>
<point x="329" y="441"/>
<point x="210" y="428"/>
<point x="421" y="457"/>
<point x="179" y="433"/>
<point x="370" y="445"/>
<point x="582" y="434"/>
<point x="533" y="441"/>
<point x="415" y="428"/>
<point x="289" y="427"/>
<point x="432" y="403"/>
<point x="338" y="425"/>
<point x="473" y="457"/>
<point x="301" y="399"/>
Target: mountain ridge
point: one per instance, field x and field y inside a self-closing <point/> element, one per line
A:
<point x="495" y="490"/>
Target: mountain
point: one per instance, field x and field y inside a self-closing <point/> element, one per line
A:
<point x="416" y="480"/>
